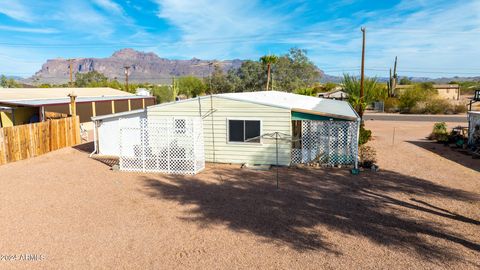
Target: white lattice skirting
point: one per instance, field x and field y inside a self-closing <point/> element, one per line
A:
<point x="166" y="145"/>
<point x="328" y="142"/>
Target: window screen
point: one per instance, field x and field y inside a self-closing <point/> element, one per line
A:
<point x="243" y="131"/>
<point x="252" y="130"/>
<point x="236" y="130"/>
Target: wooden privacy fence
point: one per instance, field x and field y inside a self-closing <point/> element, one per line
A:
<point x="26" y="141"/>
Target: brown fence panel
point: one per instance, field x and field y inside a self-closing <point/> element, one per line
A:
<point x="26" y="141"/>
<point x="3" y="153"/>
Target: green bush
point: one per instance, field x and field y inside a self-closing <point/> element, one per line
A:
<point x="409" y="99"/>
<point x="307" y="91"/>
<point x="391" y="105"/>
<point x="439" y="132"/>
<point x="437" y="106"/>
<point x="162" y="93"/>
<point x="365" y="135"/>
<point x="459" y="108"/>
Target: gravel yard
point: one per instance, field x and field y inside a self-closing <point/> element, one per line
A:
<point x="421" y="210"/>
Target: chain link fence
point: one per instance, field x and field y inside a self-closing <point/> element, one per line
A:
<point x="328" y="143"/>
<point x="165" y="145"/>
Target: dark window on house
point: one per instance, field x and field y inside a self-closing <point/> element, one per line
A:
<point x="243" y="131"/>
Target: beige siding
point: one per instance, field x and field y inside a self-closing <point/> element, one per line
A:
<point x="272" y="119"/>
<point x="451" y="93"/>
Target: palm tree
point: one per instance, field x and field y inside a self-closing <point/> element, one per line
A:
<point x="268" y="60"/>
<point x="372" y="92"/>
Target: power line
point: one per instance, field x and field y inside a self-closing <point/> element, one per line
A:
<point x="242" y="38"/>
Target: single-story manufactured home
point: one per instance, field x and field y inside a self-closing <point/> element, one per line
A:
<point x="335" y="94"/>
<point x="238" y="128"/>
<point x="27" y="105"/>
<point x="445" y="91"/>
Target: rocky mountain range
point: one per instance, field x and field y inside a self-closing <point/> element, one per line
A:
<point x="149" y="67"/>
<point x="144" y="67"/>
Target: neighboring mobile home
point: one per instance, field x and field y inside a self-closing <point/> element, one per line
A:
<point x="335" y="94"/>
<point x="445" y="91"/>
<point x="26" y="105"/>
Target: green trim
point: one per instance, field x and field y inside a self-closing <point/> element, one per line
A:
<point x="307" y="116"/>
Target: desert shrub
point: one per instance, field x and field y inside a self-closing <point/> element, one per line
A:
<point x="162" y="93"/>
<point x="368" y="156"/>
<point x="365" y="135"/>
<point x="439" y="132"/>
<point x="409" y="99"/>
<point x="419" y="108"/>
<point x="459" y="108"/>
<point x="437" y="106"/>
<point x="391" y="105"/>
<point x="308" y="91"/>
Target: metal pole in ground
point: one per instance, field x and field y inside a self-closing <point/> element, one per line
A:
<point x="393" y="137"/>
<point x="276" y="148"/>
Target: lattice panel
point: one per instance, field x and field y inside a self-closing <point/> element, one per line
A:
<point x="165" y="145"/>
<point x="327" y="142"/>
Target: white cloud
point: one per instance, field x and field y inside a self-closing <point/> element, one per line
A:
<point x="430" y="39"/>
<point x="219" y="22"/>
<point x="109" y="5"/>
<point x="425" y="35"/>
<point x="16" y="10"/>
<point x="28" y="29"/>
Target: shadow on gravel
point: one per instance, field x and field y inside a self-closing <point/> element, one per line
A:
<point x="87" y="147"/>
<point x="247" y="201"/>
<point x="448" y="153"/>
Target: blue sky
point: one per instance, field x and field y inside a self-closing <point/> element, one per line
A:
<point x="431" y="38"/>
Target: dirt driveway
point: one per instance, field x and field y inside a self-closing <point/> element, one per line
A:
<point x="422" y="210"/>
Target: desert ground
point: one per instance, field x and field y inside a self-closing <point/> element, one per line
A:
<point x="420" y="211"/>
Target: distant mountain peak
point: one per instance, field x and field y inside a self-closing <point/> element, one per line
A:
<point x="132" y="54"/>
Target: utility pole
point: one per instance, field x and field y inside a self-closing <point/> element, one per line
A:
<point x="362" y="74"/>
<point x="71" y="73"/>
<point x="126" y="76"/>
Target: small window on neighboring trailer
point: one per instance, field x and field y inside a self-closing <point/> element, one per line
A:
<point x="180" y="126"/>
<point x="244" y="131"/>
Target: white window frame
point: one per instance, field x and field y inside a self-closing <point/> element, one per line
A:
<point x="244" y="119"/>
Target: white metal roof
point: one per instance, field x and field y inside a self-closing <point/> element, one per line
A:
<point x="295" y="102"/>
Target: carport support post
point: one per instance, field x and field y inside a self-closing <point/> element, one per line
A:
<point x="73" y="104"/>
<point x="42" y="113"/>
